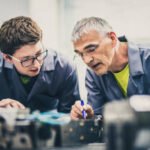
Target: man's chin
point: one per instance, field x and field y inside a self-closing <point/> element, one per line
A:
<point x="100" y="72"/>
<point x="33" y="74"/>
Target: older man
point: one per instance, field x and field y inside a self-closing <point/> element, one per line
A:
<point x="117" y="68"/>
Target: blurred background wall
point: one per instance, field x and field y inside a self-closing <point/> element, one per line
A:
<point x="57" y="18"/>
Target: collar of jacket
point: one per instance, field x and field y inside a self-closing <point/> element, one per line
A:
<point x="135" y="63"/>
<point x="49" y="62"/>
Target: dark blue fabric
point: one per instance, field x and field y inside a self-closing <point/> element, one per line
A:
<point x="103" y="89"/>
<point x="56" y="87"/>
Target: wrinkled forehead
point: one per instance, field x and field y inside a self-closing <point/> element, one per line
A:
<point x="90" y="37"/>
<point x="78" y="32"/>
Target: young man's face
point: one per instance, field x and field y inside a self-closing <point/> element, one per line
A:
<point x="25" y="54"/>
<point x="96" y="51"/>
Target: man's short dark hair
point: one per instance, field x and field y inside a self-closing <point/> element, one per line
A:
<point x="18" y="32"/>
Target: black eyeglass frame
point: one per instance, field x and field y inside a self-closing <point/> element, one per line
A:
<point x="33" y="58"/>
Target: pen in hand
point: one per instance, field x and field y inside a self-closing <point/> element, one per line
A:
<point x="83" y="111"/>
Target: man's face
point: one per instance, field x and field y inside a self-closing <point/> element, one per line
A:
<point x="24" y="53"/>
<point x="96" y="51"/>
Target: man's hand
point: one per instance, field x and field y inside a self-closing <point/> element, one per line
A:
<point x="10" y="103"/>
<point x="76" y="111"/>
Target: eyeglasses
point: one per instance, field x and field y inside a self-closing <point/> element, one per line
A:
<point x="30" y="61"/>
<point x="89" y="50"/>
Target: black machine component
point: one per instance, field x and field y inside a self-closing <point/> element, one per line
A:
<point x="79" y="132"/>
<point x="127" y="124"/>
<point x="19" y="131"/>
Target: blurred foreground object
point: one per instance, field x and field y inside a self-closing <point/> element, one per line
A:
<point x="127" y="124"/>
<point x="21" y="130"/>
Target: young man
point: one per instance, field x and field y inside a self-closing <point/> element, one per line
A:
<point x="117" y="68"/>
<point x="30" y="75"/>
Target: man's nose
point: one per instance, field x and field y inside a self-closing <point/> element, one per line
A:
<point x="36" y="62"/>
<point x="87" y="59"/>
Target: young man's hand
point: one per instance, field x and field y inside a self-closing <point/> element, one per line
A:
<point x="10" y="103"/>
<point x="76" y="111"/>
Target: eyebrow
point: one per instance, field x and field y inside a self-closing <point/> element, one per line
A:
<point x="26" y="57"/>
<point x="90" y="45"/>
<point x="87" y="47"/>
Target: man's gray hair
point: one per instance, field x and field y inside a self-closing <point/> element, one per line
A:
<point x="85" y="25"/>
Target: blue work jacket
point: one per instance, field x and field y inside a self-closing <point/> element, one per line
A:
<point x="56" y="86"/>
<point x="102" y="89"/>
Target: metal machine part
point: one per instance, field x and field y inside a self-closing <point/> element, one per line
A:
<point x="127" y="124"/>
<point x="21" y="130"/>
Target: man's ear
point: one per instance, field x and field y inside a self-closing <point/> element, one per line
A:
<point x="113" y="37"/>
<point x="7" y="58"/>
